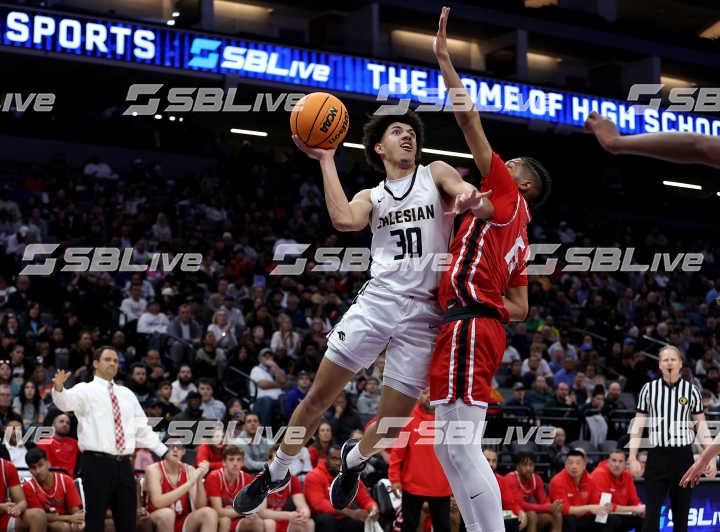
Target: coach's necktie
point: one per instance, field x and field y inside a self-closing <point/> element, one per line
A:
<point x="119" y="433"/>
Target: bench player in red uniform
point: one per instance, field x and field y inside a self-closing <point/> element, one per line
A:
<point x="15" y="515"/>
<point x="297" y="520"/>
<point x="221" y="487"/>
<point x="174" y="489"/>
<point x="484" y="287"/>
<point x="53" y="492"/>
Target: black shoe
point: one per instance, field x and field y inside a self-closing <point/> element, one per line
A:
<point x="251" y="498"/>
<point x="345" y="486"/>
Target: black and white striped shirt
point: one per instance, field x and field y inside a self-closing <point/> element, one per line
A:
<point x="670" y="409"/>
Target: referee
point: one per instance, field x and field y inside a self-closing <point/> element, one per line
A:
<point x="110" y="424"/>
<point x="667" y="405"/>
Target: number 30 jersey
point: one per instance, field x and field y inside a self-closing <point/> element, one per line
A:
<point x="411" y="234"/>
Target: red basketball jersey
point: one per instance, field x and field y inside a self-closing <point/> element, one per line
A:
<point x="182" y="505"/>
<point x="61" y="496"/>
<point x="217" y="485"/>
<point x="489" y="255"/>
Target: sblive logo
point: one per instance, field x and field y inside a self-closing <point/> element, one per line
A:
<point x="680" y="98"/>
<point x="207" y="100"/>
<point x="41" y="102"/>
<point x="207" y="54"/>
<point x="86" y="259"/>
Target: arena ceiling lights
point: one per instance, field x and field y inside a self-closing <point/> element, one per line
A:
<point x="250" y="132"/>
<point x="678" y="184"/>
<point x="432" y="151"/>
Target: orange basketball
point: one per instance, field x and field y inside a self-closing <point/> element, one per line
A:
<point x="320" y="120"/>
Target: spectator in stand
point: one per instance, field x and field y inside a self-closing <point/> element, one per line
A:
<point x="297" y="394"/>
<point x="509" y="501"/>
<point x="210" y="360"/>
<point x="192" y="413"/>
<point x="163" y="395"/>
<point x="6" y="413"/>
<point x="567" y="373"/>
<point x="134" y="306"/>
<point x="561" y="398"/>
<point x="256" y="447"/>
<point x="342" y="418"/>
<point x="182" y="386"/>
<point x="580" y="496"/>
<point x="53" y="493"/>
<point x="156" y="371"/>
<point x="558" y="450"/>
<point x="417" y="476"/>
<point x="211" y="407"/>
<point x="369" y="399"/>
<point x="286" y="336"/>
<point x="529" y="492"/>
<point x="611" y="476"/>
<point x="541" y="393"/>
<point x="223" y="330"/>
<point x="138" y="382"/>
<point x="317" y="493"/>
<point x="535" y="363"/>
<point x="17" y="514"/>
<point x="223" y="484"/>
<point x="183" y="332"/>
<point x="270" y="380"/>
<point x="278" y="503"/>
<point x="212" y="452"/>
<point x="153" y="322"/>
<point x="557" y="354"/>
<point x="29" y="406"/>
<point x="61" y="450"/>
<point x="519" y="408"/>
<point x="322" y="442"/>
<point x="176" y="494"/>
<point x="16" y="447"/>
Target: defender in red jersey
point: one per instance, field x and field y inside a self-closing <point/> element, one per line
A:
<point x="484" y="287"/>
<point x="278" y="501"/>
<point x="176" y="496"/>
<point x="221" y="487"/>
<point x="54" y="493"/>
<point x="14" y="512"/>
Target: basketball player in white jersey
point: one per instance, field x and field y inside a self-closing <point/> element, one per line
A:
<point x="411" y="216"/>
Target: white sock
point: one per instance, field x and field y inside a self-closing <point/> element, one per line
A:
<point x="280" y="465"/>
<point x="355" y="458"/>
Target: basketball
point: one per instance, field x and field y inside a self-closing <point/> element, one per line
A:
<point x="320" y="120"/>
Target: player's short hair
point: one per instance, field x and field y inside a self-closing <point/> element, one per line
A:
<point x="541" y="181"/>
<point x="375" y="128"/>
<point x="575" y="452"/>
<point x="233" y="450"/>
<point x="524" y="457"/>
<point x="34" y="455"/>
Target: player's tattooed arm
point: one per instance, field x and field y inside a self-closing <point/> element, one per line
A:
<point x="465" y="112"/>
<point x="689" y="148"/>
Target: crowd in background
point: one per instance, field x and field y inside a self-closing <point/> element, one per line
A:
<point x="233" y="344"/>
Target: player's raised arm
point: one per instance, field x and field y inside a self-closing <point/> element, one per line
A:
<point x="466" y="114"/>
<point x="345" y="215"/>
<point x="688" y="148"/>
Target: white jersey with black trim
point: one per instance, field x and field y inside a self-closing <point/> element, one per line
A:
<point x="411" y="234"/>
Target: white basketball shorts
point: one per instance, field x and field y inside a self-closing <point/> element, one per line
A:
<point x="406" y="325"/>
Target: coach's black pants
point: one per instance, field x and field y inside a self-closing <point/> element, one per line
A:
<point x="581" y="523"/>
<point x="412" y="509"/>
<point x="623" y="523"/>
<point x="663" y="471"/>
<point x="108" y="482"/>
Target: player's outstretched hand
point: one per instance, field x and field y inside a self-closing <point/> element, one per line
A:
<point x="604" y="129"/>
<point x="440" y="43"/>
<point x="467" y="201"/>
<point x="314" y="153"/>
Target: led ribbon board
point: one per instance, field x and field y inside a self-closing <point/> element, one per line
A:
<point x="131" y="43"/>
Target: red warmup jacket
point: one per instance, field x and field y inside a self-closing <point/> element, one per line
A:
<point x="563" y="487"/>
<point x="416" y="466"/>
<point x="509" y="502"/>
<point x="207" y="452"/>
<point x="317" y="492"/>
<point x="622" y="488"/>
<point x="525" y="492"/>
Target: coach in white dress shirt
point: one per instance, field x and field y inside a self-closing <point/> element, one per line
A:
<point x="111" y="423"/>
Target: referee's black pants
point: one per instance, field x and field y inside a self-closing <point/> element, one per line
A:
<point x="108" y="482"/>
<point x="663" y="471"/>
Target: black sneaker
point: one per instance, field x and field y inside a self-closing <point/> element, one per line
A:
<point x="345" y="485"/>
<point x="251" y="498"/>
